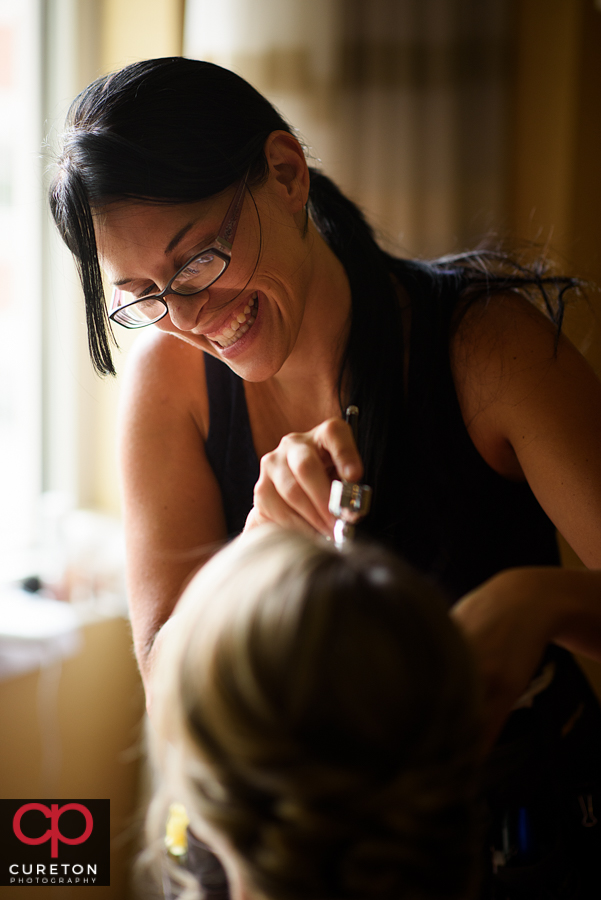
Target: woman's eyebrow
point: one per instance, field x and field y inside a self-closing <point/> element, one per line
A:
<point x="170" y="246"/>
<point x="177" y="238"/>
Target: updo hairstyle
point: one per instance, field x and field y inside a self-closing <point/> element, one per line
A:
<point x="317" y="712"/>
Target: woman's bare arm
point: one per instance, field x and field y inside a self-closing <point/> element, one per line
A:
<point x="510" y="619"/>
<point x="171" y="502"/>
<point x="534" y="412"/>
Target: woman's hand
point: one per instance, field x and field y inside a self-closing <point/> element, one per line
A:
<point x="293" y="489"/>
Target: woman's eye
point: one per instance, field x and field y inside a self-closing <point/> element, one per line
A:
<point x="151" y="289"/>
<point x="196" y="264"/>
<point x="143" y="303"/>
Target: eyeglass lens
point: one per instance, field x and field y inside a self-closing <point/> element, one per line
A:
<point x="200" y="273"/>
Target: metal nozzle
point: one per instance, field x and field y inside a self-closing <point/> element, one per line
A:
<point x="349" y="501"/>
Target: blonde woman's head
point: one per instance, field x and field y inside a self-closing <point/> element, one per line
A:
<point x="317" y="716"/>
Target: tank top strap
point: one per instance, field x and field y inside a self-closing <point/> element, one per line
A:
<point x="229" y="446"/>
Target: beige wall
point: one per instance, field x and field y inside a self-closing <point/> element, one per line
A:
<point x="74" y="731"/>
<point x="140" y="29"/>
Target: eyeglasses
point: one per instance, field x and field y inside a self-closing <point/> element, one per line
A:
<point x="198" y="274"/>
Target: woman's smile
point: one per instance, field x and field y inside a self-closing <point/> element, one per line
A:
<point x="238" y="323"/>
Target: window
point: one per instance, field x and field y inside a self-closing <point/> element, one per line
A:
<point x="20" y="272"/>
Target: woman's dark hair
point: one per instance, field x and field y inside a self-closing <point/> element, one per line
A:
<point x="177" y="130"/>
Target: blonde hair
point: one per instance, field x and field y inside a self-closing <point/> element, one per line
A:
<point x="317" y="712"/>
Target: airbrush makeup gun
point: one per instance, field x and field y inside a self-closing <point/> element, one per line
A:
<point x="349" y="501"/>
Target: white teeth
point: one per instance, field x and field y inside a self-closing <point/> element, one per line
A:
<point x="238" y="326"/>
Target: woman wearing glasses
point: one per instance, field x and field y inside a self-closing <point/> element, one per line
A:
<point x="186" y="186"/>
<point x="480" y="425"/>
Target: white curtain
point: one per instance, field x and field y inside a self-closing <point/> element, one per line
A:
<point x="403" y="101"/>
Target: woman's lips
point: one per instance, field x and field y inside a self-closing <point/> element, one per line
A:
<point x="237" y="325"/>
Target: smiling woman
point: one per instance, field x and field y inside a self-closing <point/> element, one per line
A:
<point x="312" y="314"/>
<point x="480" y="424"/>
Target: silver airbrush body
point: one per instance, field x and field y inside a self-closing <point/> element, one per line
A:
<point x="349" y="501"/>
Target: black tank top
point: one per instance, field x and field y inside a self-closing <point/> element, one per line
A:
<point x="458" y="520"/>
<point x="229" y="447"/>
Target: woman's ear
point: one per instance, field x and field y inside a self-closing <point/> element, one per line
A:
<point x="288" y="169"/>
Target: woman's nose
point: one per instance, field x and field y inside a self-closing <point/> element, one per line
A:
<point x="185" y="312"/>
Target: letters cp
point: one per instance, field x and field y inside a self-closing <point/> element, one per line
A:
<point x="54" y="812"/>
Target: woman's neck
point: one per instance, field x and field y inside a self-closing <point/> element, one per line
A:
<point x="311" y="373"/>
<point x="304" y="392"/>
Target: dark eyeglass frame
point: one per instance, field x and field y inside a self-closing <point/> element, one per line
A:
<point x="221" y="247"/>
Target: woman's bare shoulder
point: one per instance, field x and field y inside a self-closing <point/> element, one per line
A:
<point x="165" y="377"/>
<point x="161" y="356"/>
<point x="501" y="321"/>
<point x="510" y="366"/>
<point x="532" y="406"/>
<point x="499" y="344"/>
